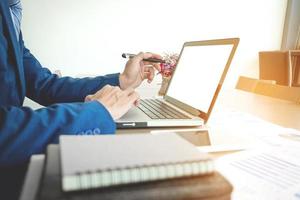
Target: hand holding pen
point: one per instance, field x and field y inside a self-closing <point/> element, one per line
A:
<point x="138" y="68"/>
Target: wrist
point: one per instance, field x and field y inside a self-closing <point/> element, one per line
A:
<point x="123" y="81"/>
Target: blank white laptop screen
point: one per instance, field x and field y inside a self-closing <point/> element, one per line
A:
<point x="198" y="73"/>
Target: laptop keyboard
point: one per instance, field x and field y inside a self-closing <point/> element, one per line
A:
<point x="157" y="109"/>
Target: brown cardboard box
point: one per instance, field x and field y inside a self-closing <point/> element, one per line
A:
<point x="274" y="65"/>
<point x="296" y="78"/>
<point x="295" y="67"/>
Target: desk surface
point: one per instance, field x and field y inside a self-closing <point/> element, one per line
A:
<point x="280" y="112"/>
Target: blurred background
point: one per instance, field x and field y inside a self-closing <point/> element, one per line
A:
<point x="88" y="37"/>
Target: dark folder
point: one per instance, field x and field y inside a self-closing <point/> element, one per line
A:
<point x="210" y="187"/>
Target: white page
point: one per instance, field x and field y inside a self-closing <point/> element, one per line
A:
<point x="234" y="130"/>
<point x="264" y="173"/>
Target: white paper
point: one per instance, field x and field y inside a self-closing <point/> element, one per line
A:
<point x="264" y="173"/>
<point x="269" y="166"/>
<point x="234" y="130"/>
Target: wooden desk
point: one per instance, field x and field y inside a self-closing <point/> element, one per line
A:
<point x="283" y="113"/>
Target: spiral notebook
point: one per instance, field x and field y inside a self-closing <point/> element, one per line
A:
<point x="90" y="162"/>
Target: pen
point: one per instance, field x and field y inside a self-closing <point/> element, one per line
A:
<point x="153" y="60"/>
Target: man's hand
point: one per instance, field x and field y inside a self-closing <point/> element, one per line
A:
<point x="115" y="100"/>
<point x="136" y="70"/>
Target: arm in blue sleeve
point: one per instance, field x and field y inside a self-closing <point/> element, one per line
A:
<point x="24" y="132"/>
<point x="46" y="88"/>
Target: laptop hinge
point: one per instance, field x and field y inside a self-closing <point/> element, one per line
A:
<point x="182" y="106"/>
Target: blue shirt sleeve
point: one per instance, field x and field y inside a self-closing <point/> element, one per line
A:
<point x="24" y="131"/>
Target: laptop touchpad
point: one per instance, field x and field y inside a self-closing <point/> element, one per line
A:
<point x="135" y="115"/>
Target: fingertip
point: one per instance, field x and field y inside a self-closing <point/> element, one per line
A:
<point x="154" y="55"/>
<point x="137" y="102"/>
<point x="140" y="55"/>
<point x="147" y="55"/>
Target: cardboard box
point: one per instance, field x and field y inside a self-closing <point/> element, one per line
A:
<point x="294" y="62"/>
<point x="274" y="65"/>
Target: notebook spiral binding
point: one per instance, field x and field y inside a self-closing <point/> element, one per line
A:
<point x="136" y="174"/>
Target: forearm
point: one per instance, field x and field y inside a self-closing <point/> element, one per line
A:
<point x="25" y="132"/>
<point x="50" y="89"/>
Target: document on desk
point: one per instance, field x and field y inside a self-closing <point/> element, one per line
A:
<point x="234" y="130"/>
<point x="264" y="173"/>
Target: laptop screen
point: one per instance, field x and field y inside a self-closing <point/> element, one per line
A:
<point x="198" y="74"/>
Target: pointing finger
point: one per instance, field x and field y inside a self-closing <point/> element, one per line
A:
<point x="151" y="55"/>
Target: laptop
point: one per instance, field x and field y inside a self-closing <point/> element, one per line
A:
<point x="193" y="89"/>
